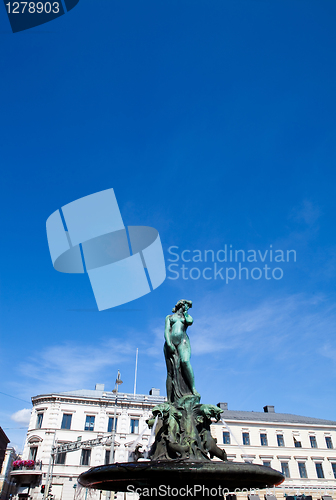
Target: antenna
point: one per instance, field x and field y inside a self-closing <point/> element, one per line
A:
<point x="136" y="370"/>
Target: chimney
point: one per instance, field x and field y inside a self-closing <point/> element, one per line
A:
<point x="100" y="387"/>
<point x="269" y="409"/>
<point x="222" y="406"/>
<point x="154" y="392"/>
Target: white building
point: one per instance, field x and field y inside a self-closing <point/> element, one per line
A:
<point x="79" y="416"/>
<point x="301" y="447"/>
<point x="7" y="485"/>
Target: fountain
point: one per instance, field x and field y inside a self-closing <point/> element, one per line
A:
<point x="181" y="456"/>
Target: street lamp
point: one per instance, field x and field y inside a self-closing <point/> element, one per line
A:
<point x="115" y="391"/>
<point x="50" y="470"/>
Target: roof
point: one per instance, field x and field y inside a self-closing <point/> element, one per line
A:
<point x="254" y="416"/>
<point x="3" y="438"/>
<point x="273" y="417"/>
<point x="96" y="394"/>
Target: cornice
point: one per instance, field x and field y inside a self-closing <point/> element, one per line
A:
<point x="37" y="400"/>
<point x="258" y="423"/>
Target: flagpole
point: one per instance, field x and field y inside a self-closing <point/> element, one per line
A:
<point x="136" y="370"/>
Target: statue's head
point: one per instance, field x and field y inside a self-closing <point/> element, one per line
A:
<point x="161" y="410"/>
<point x="209" y="411"/>
<point x="182" y="304"/>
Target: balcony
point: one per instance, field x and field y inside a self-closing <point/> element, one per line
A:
<point x="26" y="471"/>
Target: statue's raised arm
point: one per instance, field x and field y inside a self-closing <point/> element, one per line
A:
<point x="187" y="306"/>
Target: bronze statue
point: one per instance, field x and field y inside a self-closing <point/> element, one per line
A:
<point x="180" y="375"/>
<point x="183" y="430"/>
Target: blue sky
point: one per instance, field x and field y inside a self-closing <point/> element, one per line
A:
<point x="214" y="122"/>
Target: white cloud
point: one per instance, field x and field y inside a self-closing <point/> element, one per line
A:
<point x="276" y="328"/>
<point x="328" y="351"/>
<point x="283" y="326"/>
<point x="306" y="213"/>
<point x="22" y="416"/>
<point x="280" y="328"/>
<point x="70" y="366"/>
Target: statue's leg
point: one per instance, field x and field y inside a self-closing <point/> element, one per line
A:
<point x="169" y="381"/>
<point x="169" y="387"/>
<point x="184" y="353"/>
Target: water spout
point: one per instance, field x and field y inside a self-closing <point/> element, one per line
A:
<point x="85" y="493"/>
<point x="151" y="438"/>
<point x="243" y="452"/>
<point x="135" y="443"/>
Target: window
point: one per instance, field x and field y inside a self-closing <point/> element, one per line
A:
<point x="334" y="469"/>
<point x="85" y="458"/>
<point x="107" y="457"/>
<point x="33" y="453"/>
<point x="329" y="442"/>
<point x="89" y="425"/>
<point x="246" y="438"/>
<point x="263" y="439"/>
<point x="134" y="426"/>
<point x="302" y="470"/>
<point x="285" y="469"/>
<point x="313" y="442"/>
<point x="297" y="443"/>
<point x="110" y="424"/>
<point x="267" y="463"/>
<point x="39" y="420"/>
<point x="60" y="458"/>
<point x="66" y="421"/>
<point x="280" y="440"/>
<point x="319" y="470"/>
<point x="226" y="438"/>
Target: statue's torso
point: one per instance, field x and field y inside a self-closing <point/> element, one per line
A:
<point x="178" y="329"/>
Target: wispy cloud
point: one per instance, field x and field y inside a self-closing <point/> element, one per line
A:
<point x="281" y="327"/>
<point x="22" y="416"/>
<point x="69" y="366"/>
<point x="328" y="351"/>
<point x="276" y="328"/>
<point x="306" y="213"/>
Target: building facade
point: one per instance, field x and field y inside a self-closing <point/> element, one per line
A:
<point x="78" y="417"/>
<point x="3" y="445"/>
<point x="7" y="484"/>
<point x="302" y="448"/>
<point x="81" y="422"/>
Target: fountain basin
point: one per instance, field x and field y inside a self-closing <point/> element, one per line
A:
<point x="178" y="474"/>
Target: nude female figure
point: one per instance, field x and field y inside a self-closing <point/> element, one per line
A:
<point x="180" y="375"/>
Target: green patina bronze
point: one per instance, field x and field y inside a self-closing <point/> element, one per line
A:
<point x="177" y="351"/>
<point x="183" y="430"/>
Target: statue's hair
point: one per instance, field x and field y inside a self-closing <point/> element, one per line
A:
<point x="181" y="302"/>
